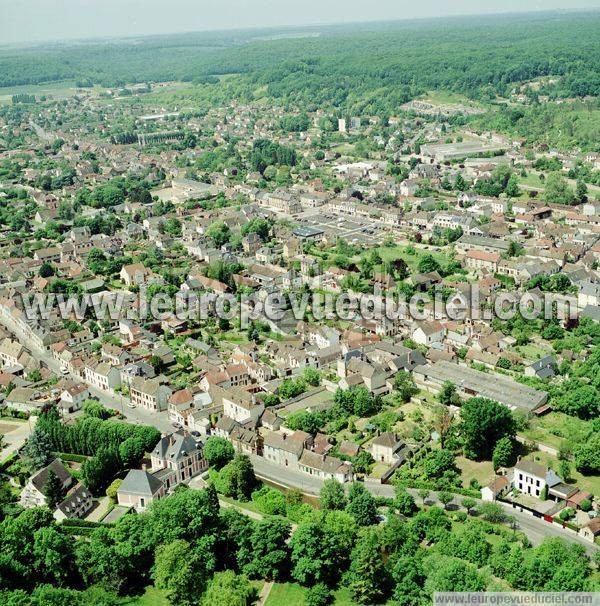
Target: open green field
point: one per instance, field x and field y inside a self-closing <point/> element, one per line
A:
<point x="412" y="260"/>
<point x="58" y="90"/>
<point x="292" y="594"/>
<point x="557" y="428"/>
<point x="482" y="471"/>
<point x="446" y="97"/>
<point x="151" y="597"/>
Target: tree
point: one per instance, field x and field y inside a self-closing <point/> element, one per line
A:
<point x="361" y="505"/>
<point x="423" y="494"/>
<point x="445" y="498"/>
<point x="111" y="491"/>
<point x="448" y="395"/>
<point x="53" y="555"/>
<point x="451" y="574"/>
<point x="229" y="589"/>
<point x="502" y="453"/>
<point x="587" y="455"/>
<point x="581" y="191"/>
<point x="311" y="376"/>
<point x="469" y="504"/>
<point x="492" y="512"/>
<point x="368" y="576"/>
<point x="218" y="451"/>
<point x="219" y="232"/>
<point x="318" y="595"/>
<point x="404" y="502"/>
<point x="269" y="552"/>
<point x="428" y="264"/>
<point x="564" y="470"/>
<point x="131" y="451"/>
<point x="238" y="479"/>
<point x="332" y="495"/>
<point x="442" y="422"/>
<point x="53" y="490"/>
<point x="313" y="555"/>
<point x="259" y="226"/>
<point x="409" y="578"/>
<point x="484" y="422"/>
<point x="97" y="472"/>
<point x="179" y="570"/>
<point x="404" y="384"/>
<point x="512" y="187"/>
<point x="558" y="190"/>
<point x="39" y="448"/>
<point x="46" y="270"/>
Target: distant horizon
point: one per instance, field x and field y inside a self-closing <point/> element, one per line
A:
<point x="81" y="33"/>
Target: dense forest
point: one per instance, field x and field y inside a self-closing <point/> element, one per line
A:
<point x="368" y="69"/>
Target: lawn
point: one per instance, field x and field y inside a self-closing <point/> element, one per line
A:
<point x="532" y="352"/>
<point x="444" y="97"/>
<point x="292" y="594"/>
<point x="482" y="471"/>
<point x="151" y="597"/>
<point x="555" y="428"/>
<point x="412" y="260"/>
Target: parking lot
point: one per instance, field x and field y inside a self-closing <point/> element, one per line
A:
<point x="355" y="230"/>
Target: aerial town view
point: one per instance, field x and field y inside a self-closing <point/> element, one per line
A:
<point x="299" y="305"/>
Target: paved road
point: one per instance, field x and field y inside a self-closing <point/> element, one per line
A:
<point x="536" y="529"/>
<point x="16" y="438"/>
<point x="117" y="401"/>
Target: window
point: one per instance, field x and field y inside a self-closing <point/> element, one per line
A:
<point x="142" y="502"/>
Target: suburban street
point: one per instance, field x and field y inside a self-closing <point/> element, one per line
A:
<point x="116" y="401"/>
<point x="535" y="529"/>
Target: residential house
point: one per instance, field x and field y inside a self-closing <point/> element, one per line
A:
<point x="325" y="467"/>
<point x="139" y="489"/>
<point x="102" y="375"/>
<point x="532" y="478"/>
<point x="387" y="448"/>
<point x="242" y="406"/>
<point x="134" y="274"/>
<point x="73" y="396"/>
<point x="495" y="488"/>
<point x="544" y="368"/>
<point x="33" y="495"/>
<point x="76" y="504"/>
<point x="179" y="458"/>
<point x="429" y="332"/>
<point x="151" y="394"/>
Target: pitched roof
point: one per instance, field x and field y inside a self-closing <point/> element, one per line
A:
<point x="140" y="482"/>
<point x="40" y="479"/>
<point x="175" y="447"/>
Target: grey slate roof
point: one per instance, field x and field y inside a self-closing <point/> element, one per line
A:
<point x="140" y="482"/>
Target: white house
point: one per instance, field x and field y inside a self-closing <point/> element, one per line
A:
<point x="102" y="376"/>
<point x="531" y="478"/>
<point x="429" y="332"/>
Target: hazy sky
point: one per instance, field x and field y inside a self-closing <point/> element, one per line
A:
<point x="34" y="20"/>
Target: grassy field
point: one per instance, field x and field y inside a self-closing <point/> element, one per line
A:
<point x="151" y="597"/>
<point x="482" y="471"/>
<point x="412" y="260"/>
<point x="58" y="90"/>
<point x="445" y="97"/>
<point x="292" y="594"/>
<point x="532" y="351"/>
